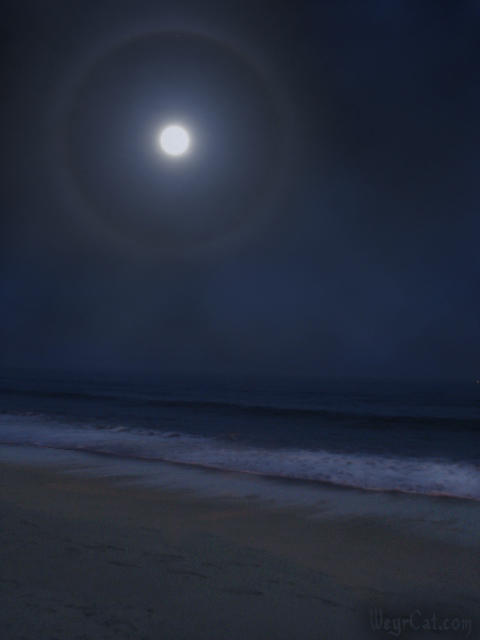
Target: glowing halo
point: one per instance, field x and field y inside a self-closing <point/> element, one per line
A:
<point x="127" y="236"/>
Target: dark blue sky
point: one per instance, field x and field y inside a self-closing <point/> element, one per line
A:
<point x="327" y="224"/>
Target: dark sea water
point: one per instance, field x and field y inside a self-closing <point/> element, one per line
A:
<point x="370" y="434"/>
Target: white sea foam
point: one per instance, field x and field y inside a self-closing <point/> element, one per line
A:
<point x="361" y="470"/>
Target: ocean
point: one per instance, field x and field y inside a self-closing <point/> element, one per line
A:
<point x="420" y="437"/>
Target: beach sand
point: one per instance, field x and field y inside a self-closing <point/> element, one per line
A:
<point x="87" y="558"/>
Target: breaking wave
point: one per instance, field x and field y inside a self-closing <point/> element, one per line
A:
<point x="359" y="470"/>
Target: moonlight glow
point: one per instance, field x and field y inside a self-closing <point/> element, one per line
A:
<point x="174" y="140"/>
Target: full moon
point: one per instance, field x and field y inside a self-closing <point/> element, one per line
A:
<point x="174" y="140"/>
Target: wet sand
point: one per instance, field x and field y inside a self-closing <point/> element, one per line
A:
<point x="87" y="558"/>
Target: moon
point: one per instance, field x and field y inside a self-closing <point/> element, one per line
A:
<point x="174" y="140"/>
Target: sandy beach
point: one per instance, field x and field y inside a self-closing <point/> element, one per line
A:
<point x="88" y="558"/>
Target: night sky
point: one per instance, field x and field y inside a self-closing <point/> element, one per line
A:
<point x="326" y="221"/>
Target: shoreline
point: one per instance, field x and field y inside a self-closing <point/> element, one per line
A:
<point x="308" y="482"/>
<point x="298" y="571"/>
<point x="318" y="498"/>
